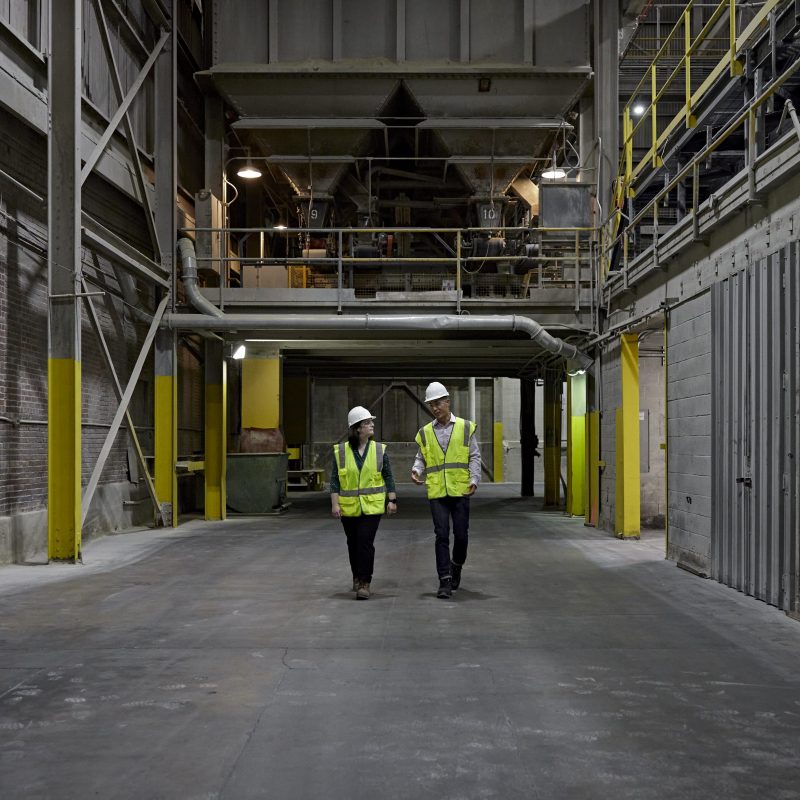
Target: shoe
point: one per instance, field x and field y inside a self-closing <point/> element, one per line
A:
<point x="455" y="581"/>
<point x="363" y="591"/>
<point x="445" y="589"/>
<point x="356" y="584"/>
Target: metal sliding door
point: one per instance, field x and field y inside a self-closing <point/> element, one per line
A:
<point x="756" y="429"/>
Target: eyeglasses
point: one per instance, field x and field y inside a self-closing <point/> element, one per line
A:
<point x="440" y="402"/>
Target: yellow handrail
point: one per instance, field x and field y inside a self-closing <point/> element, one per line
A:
<point x="628" y="173"/>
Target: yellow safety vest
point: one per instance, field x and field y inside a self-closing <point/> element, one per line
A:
<point x="361" y="491"/>
<point x="446" y="473"/>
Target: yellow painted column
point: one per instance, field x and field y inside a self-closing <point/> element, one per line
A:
<point x="64" y="284"/>
<point x="576" y="445"/>
<point x="261" y="391"/>
<point x="166" y="426"/>
<point x="497" y="452"/>
<point x="64" y="458"/>
<point x="593" y="465"/>
<point x="552" y="438"/>
<point x="216" y="430"/>
<point x="627" y="429"/>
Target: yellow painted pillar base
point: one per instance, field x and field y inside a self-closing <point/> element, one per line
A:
<point x="628" y="480"/>
<point x="576" y="445"/>
<point x="593" y="467"/>
<point x="64" y="459"/>
<point x="165" y="436"/>
<point x="497" y="452"/>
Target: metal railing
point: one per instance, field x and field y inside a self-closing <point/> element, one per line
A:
<point x="680" y="35"/>
<point x="617" y="229"/>
<point x="530" y="259"/>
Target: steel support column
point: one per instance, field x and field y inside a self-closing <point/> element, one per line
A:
<point x="552" y="437"/>
<point x="593" y="467"/>
<point x="606" y="96"/>
<point x="216" y="430"/>
<point x="166" y="426"/>
<point x="576" y="445"/>
<point x="64" y="277"/>
<point x="628" y="490"/>
<point x="527" y="434"/>
<point x="165" y="362"/>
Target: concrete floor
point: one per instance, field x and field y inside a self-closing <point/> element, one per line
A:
<point x="231" y="661"/>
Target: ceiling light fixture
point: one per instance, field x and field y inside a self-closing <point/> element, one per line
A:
<point x="248" y="171"/>
<point x="554" y="173"/>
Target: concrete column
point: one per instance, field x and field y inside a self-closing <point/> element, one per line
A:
<point x="216" y="430"/>
<point x="552" y="437"/>
<point x="576" y="445"/>
<point x="628" y="489"/>
<point x="63" y="283"/>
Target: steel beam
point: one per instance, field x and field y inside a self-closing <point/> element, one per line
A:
<point x="123" y="406"/>
<point x="128" y="257"/>
<point x="142" y="183"/>
<point x="64" y="277"/>
<point x="122" y="110"/>
<point x="151" y="489"/>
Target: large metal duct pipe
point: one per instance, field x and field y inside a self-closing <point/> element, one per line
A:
<point x="212" y="318"/>
<point x="189" y="275"/>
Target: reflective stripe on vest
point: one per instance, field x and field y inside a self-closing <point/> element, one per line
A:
<point x="361" y="491"/>
<point x="446" y="472"/>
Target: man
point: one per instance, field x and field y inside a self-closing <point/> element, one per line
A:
<point x="449" y="463"/>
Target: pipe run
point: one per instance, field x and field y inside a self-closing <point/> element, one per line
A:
<point x="189" y="276"/>
<point x="212" y="318"/>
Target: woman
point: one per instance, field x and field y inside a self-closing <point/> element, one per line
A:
<point x="362" y="488"/>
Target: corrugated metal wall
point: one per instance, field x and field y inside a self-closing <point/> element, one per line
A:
<point x="756" y="424"/>
<point x="689" y="433"/>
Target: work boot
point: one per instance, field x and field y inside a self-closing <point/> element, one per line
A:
<point x="445" y="589"/>
<point x="455" y="581"/>
<point x="356" y="583"/>
<point x="363" y="591"/>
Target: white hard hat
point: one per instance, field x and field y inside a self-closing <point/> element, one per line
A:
<point x="357" y="414"/>
<point x="434" y="391"/>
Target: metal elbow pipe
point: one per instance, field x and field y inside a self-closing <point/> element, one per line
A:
<point x="188" y="259"/>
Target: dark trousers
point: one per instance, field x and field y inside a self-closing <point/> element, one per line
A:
<point x="360" y="532"/>
<point x="442" y="510"/>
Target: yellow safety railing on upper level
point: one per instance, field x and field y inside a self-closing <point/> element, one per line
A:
<point x="628" y="173"/>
